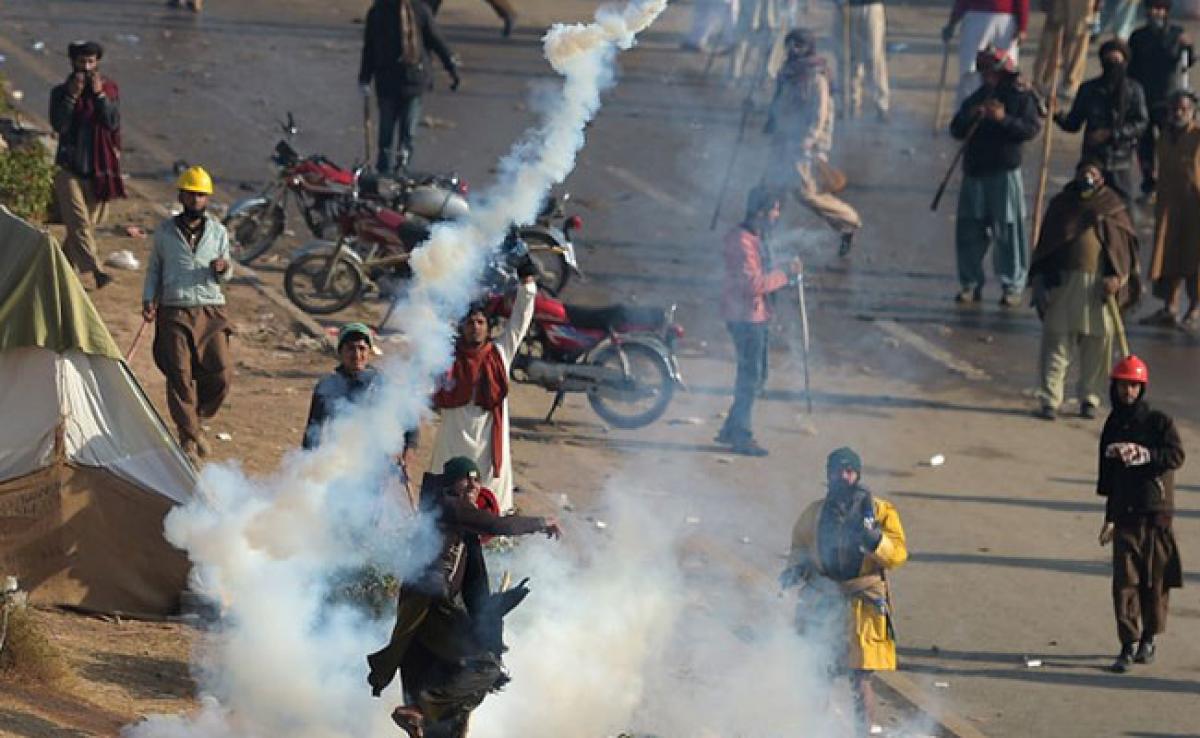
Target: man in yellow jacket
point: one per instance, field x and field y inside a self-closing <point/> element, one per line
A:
<point x="842" y="547"/>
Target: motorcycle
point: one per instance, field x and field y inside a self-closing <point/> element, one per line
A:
<point x="621" y="356"/>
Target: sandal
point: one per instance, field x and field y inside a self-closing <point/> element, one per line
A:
<point x="1163" y="318"/>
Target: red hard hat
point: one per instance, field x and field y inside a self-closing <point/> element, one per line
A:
<point x="1131" y="368"/>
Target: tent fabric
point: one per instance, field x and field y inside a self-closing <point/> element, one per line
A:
<point x="88" y="469"/>
<point x="83" y="536"/>
<point x="42" y="302"/>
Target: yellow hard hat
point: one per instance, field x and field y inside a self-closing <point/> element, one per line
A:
<point x="195" y="179"/>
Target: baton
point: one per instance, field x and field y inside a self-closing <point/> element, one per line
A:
<point x="137" y="340"/>
<point x="804" y="340"/>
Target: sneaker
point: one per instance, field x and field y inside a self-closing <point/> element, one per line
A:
<point x="103" y="279"/>
<point x="1010" y="300"/>
<point x="1046" y="412"/>
<point x="1124" y="661"/>
<point x="846" y="244"/>
<point x="725" y="438"/>
<point x="1162" y="318"/>
<point x="510" y="21"/>
<point x="1145" y="652"/>
<point x="968" y="296"/>
<point x="1087" y="411"/>
<point x="749" y="447"/>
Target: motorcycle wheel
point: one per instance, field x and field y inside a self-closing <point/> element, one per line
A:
<point x="254" y="231"/>
<point x="304" y="283"/>
<point x="553" y="272"/>
<point x="644" y="397"/>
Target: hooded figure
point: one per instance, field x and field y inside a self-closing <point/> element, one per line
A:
<point x="1087" y="251"/>
<point x="1139" y="453"/>
<point x="842" y="547"/>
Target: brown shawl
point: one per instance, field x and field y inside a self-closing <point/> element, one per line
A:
<point x="106" y="151"/>
<point x="1068" y="216"/>
<point x="478" y="377"/>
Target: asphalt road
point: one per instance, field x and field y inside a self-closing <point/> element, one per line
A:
<point x="210" y="90"/>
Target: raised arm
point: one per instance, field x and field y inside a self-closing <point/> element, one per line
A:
<point x="518" y="323"/>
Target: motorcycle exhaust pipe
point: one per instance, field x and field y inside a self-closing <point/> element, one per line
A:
<point x="569" y="377"/>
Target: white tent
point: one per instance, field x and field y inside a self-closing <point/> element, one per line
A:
<point x="88" y="470"/>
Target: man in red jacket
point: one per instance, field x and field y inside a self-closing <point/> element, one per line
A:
<point x="749" y="280"/>
<point x="998" y="23"/>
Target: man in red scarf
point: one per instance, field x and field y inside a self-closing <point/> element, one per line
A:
<point x="473" y="397"/>
<point x="84" y="113"/>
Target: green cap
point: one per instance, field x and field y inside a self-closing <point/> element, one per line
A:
<point x="458" y="468"/>
<point x="351" y="330"/>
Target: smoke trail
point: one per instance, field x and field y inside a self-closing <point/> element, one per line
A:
<point x="287" y="660"/>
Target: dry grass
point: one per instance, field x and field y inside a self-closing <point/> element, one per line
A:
<point x="28" y="655"/>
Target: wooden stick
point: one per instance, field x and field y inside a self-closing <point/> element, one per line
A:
<point x="941" y="96"/>
<point x="847" y="74"/>
<point x="1115" y="312"/>
<point x="137" y="340"/>
<point x="958" y="155"/>
<point x="1047" y="138"/>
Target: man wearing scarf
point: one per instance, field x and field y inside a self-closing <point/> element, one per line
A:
<point x="1139" y="453"/>
<point x="397" y="38"/>
<point x="994" y="122"/>
<point x="800" y="122"/>
<point x="1160" y="53"/>
<point x="472" y="398"/>
<point x="746" y="305"/>
<point x="1111" y="110"/>
<point x="85" y="113"/>
<point x="1087" y="252"/>
<point x="842" y="547"/>
<point x="1176" y="260"/>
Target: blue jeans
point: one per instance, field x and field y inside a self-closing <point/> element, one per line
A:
<point x="402" y="112"/>
<point x="750" y="344"/>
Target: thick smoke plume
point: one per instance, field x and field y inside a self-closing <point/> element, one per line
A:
<point x="288" y="660"/>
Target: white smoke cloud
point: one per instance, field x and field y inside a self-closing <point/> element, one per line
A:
<point x="286" y="662"/>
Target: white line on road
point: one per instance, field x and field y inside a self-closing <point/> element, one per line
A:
<point x="931" y="351"/>
<point x="650" y="190"/>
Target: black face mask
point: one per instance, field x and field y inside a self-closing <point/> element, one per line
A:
<point x="1113" y="71"/>
<point x="194" y="214"/>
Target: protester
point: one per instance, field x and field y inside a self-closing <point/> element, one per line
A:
<point x="182" y="296"/>
<point x="842" y="548"/>
<point x="1087" y="253"/>
<point x="397" y="38"/>
<point x="800" y="123"/>
<point x="1139" y="453"/>
<point x="867" y="55"/>
<point x="993" y="122"/>
<point x="349" y="384"/>
<point x="473" y="397"/>
<point x="502" y="8"/>
<point x="759" y="26"/>
<point x="995" y="24"/>
<point x="1176" y="260"/>
<point x="1111" y="110"/>
<point x="85" y="113"/>
<point x="1069" y="18"/>
<point x="749" y="282"/>
<point x="448" y="639"/>
<point x="1159" y="52"/>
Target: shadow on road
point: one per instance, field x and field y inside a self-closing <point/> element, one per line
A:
<point x="1064" y="566"/>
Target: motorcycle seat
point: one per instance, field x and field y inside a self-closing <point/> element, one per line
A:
<point x="616" y="317"/>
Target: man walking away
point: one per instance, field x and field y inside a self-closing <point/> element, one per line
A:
<point x="746" y="304"/>
<point x="995" y="121"/>
<point x="1087" y="252"/>
<point x="997" y="24"/>
<point x="867" y="55"/>
<point x="1070" y="18"/>
<point x="1176" y="260"/>
<point x="85" y="113"/>
<point x="800" y="123"/>
<point x="1159" y="52"/>
<point x="1111" y="109"/>
<point x="842" y="548"/>
<point x="182" y="296"/>
<point x="397" y="38"/>
<point x="1139" y="453"/>
<point x="502" y="8"/>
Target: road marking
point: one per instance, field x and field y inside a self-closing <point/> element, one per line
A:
<point x="906" y="690"/>
<point x="932" y="351"/>
<point x="650" y="190"/>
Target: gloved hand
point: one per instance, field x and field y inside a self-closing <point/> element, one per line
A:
<point x="948" y="32"/>
<point x="1130" y="454"/>
<point x="872" y="535"/>
<point x="365" y="89"/>
<point x="527" y="268"/>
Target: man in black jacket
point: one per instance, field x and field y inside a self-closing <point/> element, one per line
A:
<point x="397" y="39"/>
<point x="995" y="121"/>
<point x="1160" y="51"/>
<point x="1111" y="110"/>
<point x="1139" y="453"/>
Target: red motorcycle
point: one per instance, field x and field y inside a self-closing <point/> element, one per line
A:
<point x="621" y="356"/>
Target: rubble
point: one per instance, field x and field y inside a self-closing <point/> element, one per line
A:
<point x="123" y="259"/>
